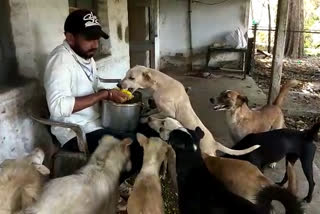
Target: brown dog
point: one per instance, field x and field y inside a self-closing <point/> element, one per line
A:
<point x="146" y="196"/>
<point x="242" y="120"/>
<point x="243" y="178"/>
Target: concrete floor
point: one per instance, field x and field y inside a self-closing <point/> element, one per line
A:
<point x="203" y="89"/>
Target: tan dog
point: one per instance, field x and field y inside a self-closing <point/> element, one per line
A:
<point x="242" y="120"/>
<point x="94" y="188"/>
<point x="172" y="101"/>
<point x="243" y="178"/>
<point x="21" y="181"/>
<point x="146" y="196"/>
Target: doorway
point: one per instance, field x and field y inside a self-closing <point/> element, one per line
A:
<point x="144" y="33"/>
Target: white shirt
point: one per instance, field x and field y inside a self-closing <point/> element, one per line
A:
<point x="66" y="77"/>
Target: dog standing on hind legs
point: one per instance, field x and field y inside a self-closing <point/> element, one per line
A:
<point x="172" y="101"/>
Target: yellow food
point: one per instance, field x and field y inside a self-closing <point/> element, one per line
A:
<point x="130" y="95"/>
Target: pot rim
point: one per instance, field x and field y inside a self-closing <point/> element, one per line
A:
<point x="122" y="104"/>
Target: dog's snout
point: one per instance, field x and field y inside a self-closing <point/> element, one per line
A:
<point x="119" y="85"/>
<point x="212" y="100"/>
<point x="149" y="119"/>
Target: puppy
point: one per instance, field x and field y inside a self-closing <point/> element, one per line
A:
<point x="94" y="188"/>
<point x="21" y="181"/>
<point x="242" y="120"/>
<point x="146" y="196"/>
<point x="280" y="143"/>
<point x="172" y="101"/>
<point x="200" y="192"/>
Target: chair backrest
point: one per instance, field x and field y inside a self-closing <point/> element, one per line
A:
<point x="38" y="108"/>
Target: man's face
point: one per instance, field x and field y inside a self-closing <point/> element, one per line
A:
<point x="82" y="46"/>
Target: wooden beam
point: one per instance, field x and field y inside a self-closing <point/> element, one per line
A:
<point x="278" y="50"/>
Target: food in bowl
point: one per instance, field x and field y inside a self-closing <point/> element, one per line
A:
<point x="127" y="92"/>
<point x="130" y="95"/>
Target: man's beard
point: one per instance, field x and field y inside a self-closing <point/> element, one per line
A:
<point x="84" y="54"/>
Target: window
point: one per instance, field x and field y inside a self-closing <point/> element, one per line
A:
<point x="104" y="49"/>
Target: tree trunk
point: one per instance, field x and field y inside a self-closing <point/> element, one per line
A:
<point x="295" y="40"/>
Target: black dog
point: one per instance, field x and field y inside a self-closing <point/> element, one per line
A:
<point x="201" y="193"/>
<point x="277" y="144"/>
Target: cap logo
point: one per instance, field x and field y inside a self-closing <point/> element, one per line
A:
<point x="91" y="20"/>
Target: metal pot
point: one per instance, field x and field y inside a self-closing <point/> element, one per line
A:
<point x="124" y="117"/>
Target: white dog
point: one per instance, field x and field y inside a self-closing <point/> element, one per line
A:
<point x="21" y="181"/>
<point x="172" y="101"/>
<point x="94" y="188"/>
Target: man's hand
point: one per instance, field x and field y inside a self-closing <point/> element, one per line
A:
<point x="114" y="95"/>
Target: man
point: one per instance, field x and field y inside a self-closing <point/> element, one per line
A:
<point x="70" y="82"/>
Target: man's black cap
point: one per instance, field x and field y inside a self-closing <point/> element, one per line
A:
<point x="86" y="23"/>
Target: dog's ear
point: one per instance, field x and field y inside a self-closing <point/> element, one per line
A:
<point x="143" y="140"/>
<point x="42" y="169"/>
<point x="171" y="161"/>
<point x="147" y="75"/>
<point x="199" y="133"/>
<point x="126" y="142"/>
<point x="241" y="100"/>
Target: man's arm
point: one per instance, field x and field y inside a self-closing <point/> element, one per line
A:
<point x="90" y="100"/>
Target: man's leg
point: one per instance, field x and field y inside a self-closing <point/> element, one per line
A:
<point x="93" y="138"/>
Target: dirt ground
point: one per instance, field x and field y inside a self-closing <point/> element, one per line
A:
<point x="307" y="94"/>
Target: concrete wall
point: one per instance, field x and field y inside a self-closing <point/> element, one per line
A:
<point x="209" y="24"/>
<point x="37" y="29"/>
<point x="18" y="133"/>
<point x="8" y="62"/>
<point x="117" y="64"/>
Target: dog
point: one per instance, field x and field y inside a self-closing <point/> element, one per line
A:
<point x="21" y="181"/>
<point x="240" y="177"/>
<point x="280" y="143"/>
<point x="146" y="196"/>
<point x="172" y="101"/>
<point x="92" y="189"/>
<point x="200" y="192"/>
<point x="243" y="178"/>
<point x="242" y="120"/>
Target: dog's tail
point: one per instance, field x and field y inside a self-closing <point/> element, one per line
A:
<point x="290" y="202"/>
<point x="229" y="151"/>
<point x="284" y="91"/>
<point x="312" y="133"/>
<point x="292" y="180"/>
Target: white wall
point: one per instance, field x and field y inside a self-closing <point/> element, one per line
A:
<point x="116" y="65"/>
<point x="209" y="24"/>
<point x="37" y="28"/>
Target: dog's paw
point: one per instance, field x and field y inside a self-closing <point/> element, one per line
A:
<point x="273" y="165"/>
<point x="307" y="199"/>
